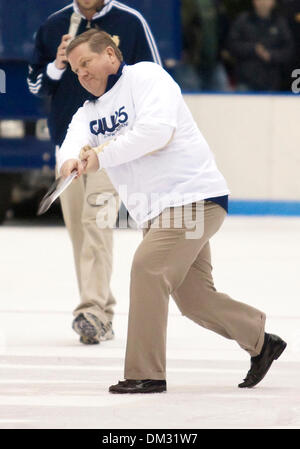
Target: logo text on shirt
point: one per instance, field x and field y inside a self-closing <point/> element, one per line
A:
<point x="109" y="125"/>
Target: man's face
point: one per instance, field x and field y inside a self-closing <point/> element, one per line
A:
<point x="263" y="7"/>
<point x="90" y="4"/>
<point x="92" y="68"/>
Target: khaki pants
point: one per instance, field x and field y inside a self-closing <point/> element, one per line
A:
<point x="92" y="246"/>
<point x="167" y="263"/>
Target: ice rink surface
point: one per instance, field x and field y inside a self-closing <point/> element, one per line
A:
<point x="49" y="380"/>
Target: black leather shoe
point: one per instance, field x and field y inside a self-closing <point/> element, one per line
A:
<point x="139" y="386"/>
<point x="273" y="347"/>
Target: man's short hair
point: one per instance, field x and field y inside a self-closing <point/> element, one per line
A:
<point x="98" y="41"/>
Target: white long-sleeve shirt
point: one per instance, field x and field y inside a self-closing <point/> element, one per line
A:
<point x="156" y="156"/>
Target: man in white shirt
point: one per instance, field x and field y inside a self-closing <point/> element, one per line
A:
<point x="142" y="133"/>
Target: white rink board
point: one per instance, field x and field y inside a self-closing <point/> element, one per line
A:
<point x="255" y="139"/>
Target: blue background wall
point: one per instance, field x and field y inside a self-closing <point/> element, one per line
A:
<point x="19" y="19"/>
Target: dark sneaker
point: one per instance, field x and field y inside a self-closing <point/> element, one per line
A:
<point x="107" y="333"/>
<point x="139" y="386"/>
<point x="89" y="340"/>
<point x="272" y="349"/>
<point x="91" y="329"/>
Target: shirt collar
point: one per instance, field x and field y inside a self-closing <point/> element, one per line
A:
<point x="106" y="7"/>
<point x="112" y="79"/>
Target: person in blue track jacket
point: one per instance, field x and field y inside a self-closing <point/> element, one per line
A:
<point x="50" y="76"/>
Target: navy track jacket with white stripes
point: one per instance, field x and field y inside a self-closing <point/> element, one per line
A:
<point x="66" y="94"/>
